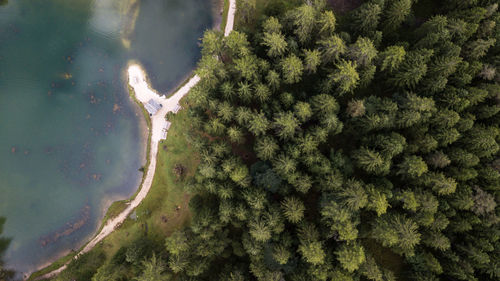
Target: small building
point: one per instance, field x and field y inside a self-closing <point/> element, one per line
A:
<point x="152" y="107"/>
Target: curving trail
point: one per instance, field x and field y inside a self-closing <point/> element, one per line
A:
<point x="137" y="79"/>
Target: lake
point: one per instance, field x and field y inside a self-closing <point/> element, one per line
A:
<point x="71" y="139"/>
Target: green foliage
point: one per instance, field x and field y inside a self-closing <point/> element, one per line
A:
<point x="395" y="13"/>
<point x="312" y="59"/>
<point x="370" y="161"/>
<point x="332" y="48"/>
<point x="312" y="252"/>
<point x="153" y="270"/>
<point x="292" y="68"/>
<point x="177" y="243"/>
<point x="345" y="77"/>
<point x="397" y="231"/>
<point x="358" y="147"/>
<point x="366" y="18"/>
<point x="350" y="256"/>
<point x="276" y="44"/>
<point x="411" y="71"/>
<point x="304" y="20"/>
<point x="293" y="209"/>
<point x="391" y="58"/>
<point x="363" y="51"/>
<point x="412" y="166"/>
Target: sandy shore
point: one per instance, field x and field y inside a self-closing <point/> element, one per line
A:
<point x="159" y="125"/>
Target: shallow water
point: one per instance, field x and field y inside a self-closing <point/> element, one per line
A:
<point x="71" y="140"/>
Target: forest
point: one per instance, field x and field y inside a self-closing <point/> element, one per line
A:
<point x="339" y="146"/>
<point x="360" y="147"/>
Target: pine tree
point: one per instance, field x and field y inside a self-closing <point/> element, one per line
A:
<point x="212" y="44"/>
<point x="350" y="256"/>
<point x="272" y="25"/>
<point x="293" y="209"/>
<point x="332" y="48"/>
<point x="412" y="166"/>
<point x="324" y="104"/>
<point x="276" y="44"/>
<point x="304" y="19"/>
<point x="286" y="125"/>
<point x="395" y="13"/>
<point x="363" y="51"/>
<point x="303" y="111"/>
<point x="312" y="252"/>
<point x="397" y="231"/>
<point x="177" y="243"/>
<point x="411" y="71"/>
<point x="281" y="254"/>
<point x="370" y="161"/>
<point x="246" y="8"/>
<point x="266" y="148"/>
<point x="292" y="68"/>
<point x="477" y="49"/>
<point x="153" y="270"/>
<point x="391" y="58"/>
<point x="370" y="269"/>
<point x="345" y="76"/>
<point x="484" y="203"/>
<point x="259" y="230"/>
<point x="262" y="93"/>
<point x="258" y="124"/>
<point x="354" y="195"/>
<point x="312" y="59"/>
<point x="365" y="19"/>
<point x="273" y="79"/>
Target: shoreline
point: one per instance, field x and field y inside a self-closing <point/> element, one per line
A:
<point x="143" y="92"/>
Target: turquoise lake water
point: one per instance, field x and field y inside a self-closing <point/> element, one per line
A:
<point x="71" y="140"/>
